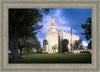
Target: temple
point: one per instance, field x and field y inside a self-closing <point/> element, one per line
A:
<point x="55" y="34"/>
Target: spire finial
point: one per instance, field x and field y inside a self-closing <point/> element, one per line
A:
<point x="52" y="24"/>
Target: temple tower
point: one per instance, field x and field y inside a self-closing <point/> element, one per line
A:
<point x="52" y="23"/>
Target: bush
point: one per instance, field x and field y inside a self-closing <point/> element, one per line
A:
<point x="84" y="51"/>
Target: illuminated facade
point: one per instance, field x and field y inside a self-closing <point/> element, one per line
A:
<point x="53" y="36"/>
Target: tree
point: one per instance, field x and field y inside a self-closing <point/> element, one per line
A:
<point x="87" y="32"/>
<point x="45" y="43"/>
<point x="23" y="23"/>
<point x="87" y="29"/>
<point x="53" y="48"/>
<point x="28" y="47"/>
<point x="42" y="48"/>
<point x="81" y="47"/>
<point x="64" y="45"/>
<point x="59" y="48"/>
<point x="28" y="44"/>
<point x="76" y="45"/>
<point x="38" y="47"/>
<point x="21" y="45"/>
<point x="89" y="45"/>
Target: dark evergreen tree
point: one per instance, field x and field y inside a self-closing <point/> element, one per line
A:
<point x="45" y="42"/>
<point x="64" y="45"/>
<point x="59" y="47"/>
<point x="87" y="29"/>
<point x="89" y="45"/>
<point x="76" y="45"/>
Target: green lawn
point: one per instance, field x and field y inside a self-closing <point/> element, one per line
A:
<point x="54" y="58"/>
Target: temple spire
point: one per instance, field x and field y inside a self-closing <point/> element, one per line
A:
<point x="52" y="23"/>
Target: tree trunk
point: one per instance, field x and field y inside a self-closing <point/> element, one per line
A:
<point x="14" y="49"/>
<point x="20" y="51"/>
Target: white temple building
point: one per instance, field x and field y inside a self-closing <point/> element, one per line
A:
<point x="53" y="36"/>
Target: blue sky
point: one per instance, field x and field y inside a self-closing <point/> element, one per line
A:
<point x="64" y="19"/>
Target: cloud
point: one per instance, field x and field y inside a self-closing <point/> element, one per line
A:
<point x="46" y="23"/>
<point x="58" y="17"/>
<point x="60" y="21"/>
<point x="64" y="19"/>
<point x="84" y="43"/>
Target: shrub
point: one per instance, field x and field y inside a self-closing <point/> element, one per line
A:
<point x="84" y="51"/>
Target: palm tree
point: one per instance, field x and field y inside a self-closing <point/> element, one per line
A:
<point x="53" y="48"/>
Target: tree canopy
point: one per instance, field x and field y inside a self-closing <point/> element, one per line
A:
<point x="76" y="44"/>
<point x="59" y="44"/>
<point x="23" y="23"/>
<point x="89" y="45"/>
<point x="64" y="45"/>
<point x="87" y="29"/>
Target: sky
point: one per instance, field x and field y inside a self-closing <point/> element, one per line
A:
<point x="64" y="19"/>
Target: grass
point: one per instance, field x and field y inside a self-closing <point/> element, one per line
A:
<point x="54" y="58"/>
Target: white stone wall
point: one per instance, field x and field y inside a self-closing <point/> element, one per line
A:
<point x="52" y="38"/>
<point x="66" y="35"/>
<point x="52" y="41"/>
